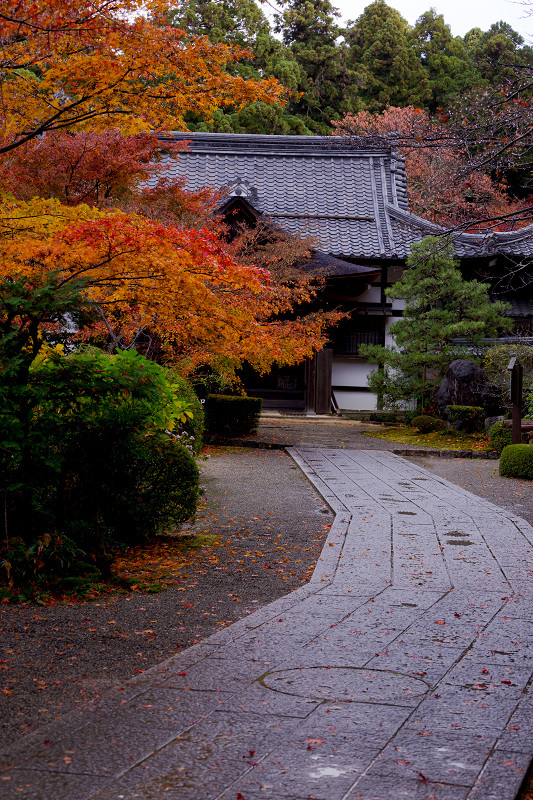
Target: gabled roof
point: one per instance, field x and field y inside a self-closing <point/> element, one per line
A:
<point x="352" y="201"/>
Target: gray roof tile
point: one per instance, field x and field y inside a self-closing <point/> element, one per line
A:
<point x="352" y="201"/>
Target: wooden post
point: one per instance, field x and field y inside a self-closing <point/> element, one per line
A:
<point x="310" y="384"/>
<point x="517" y="372"/>
<point x="324" y="362"/>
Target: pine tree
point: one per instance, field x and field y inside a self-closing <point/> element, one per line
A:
<point x="243" y="23"/>
<point x="381" y="50"/>
<point x="498" y="53"/>
<point x="445" y="58"/>
<point x="440" y="306"/>
<point x="310" y="30"/>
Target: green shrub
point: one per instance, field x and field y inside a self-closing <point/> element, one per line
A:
<point x="92" y="461"/>
<point x="426" y="424"/>
<point x="194" y="426"/>
<point x="516" y="461"/>
<point x="387" y="418"/>
<point x="235" y="416"/>
<point x="466" y="418"/>
<point x="499" y="437"/>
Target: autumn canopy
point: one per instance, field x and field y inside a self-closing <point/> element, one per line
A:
<point x="86" y="87"/>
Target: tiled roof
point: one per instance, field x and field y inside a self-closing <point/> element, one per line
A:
<point x="353" y="202"/>
<point x="408" y="228"/>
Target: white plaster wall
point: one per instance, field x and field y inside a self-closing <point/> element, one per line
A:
<point x="389" y="341"/>
<point x="398" y="305"/>
<point x="356" y="401"/>
<point x="347" y="372"/>
<point x="371" y="295"/>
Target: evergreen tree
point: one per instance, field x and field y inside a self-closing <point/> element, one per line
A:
<point x="243" y="23"/>
<point x="440" y="306"/>
<point x="498" y="53"/>
<point x="445" y="58"/>
<point x="310" y="31"/>
<point x="381" y="49"/>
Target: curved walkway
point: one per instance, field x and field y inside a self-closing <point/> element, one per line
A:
<point x="401" y="671"/>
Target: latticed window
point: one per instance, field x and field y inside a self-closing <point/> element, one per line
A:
<point x="359" y="330"/>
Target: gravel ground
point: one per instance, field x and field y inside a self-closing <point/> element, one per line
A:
<point x="271" y="525"/>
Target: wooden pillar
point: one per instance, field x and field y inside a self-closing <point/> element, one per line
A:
<point x="517" y="372"/>
<point x="318" y="382"/>
<point x="310" y="383"/>
<point x="324" y="364"/>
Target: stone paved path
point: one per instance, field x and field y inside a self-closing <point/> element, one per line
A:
<point x="401" y="671"/>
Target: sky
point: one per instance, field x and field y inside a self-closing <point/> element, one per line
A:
<point x="460" y="15"/>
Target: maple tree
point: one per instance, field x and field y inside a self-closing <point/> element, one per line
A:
<point x="150" y="257"/>
<point x="139" y="273"/>
<point x="71" y="64"/>
<point x="443" y="186"/>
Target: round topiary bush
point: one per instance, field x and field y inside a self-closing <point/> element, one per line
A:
<point x="516" y="461"/>
<point x="500" y="437"/>
<point x="427" y="424"/>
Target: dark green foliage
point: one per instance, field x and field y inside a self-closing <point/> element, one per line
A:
<point x="516" y="461"/>
<point x="499" y="437"/>
<point x="427" y="424"/>
<point x="328" y="82"/>
<point x="466" y="418"/>
<point x="445" y="58"/>
<point x="234" y="416"/>
<point x="381" y="49"/>
<point x="388" y="418"/>
<point x="194" y="426"/>
<point x="440" y="307"/>
<point x="86" y="460"/>
<point x="498" y="53"/>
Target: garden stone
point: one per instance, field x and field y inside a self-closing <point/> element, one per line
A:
<point x="464" y="384"/>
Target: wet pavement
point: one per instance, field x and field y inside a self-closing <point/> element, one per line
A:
<point x="402" y="670"/>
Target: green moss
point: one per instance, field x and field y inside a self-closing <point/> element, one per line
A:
<point x="516" y="461"/>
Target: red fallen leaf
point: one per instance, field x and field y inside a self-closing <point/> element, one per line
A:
<point x="139" y="670"/>
<point x="514" y="727"/>
<point x="315" y="741"/>
<point x="240" y="796"/>
<point x="181" y="673"/>
<point x="508" y="763"/>
<point x="437" y="695"/>
<point x="509" y="682"/>
<point x="399" y="761"/>
<point x="456" y="614"/>
<point x="251" y="752"/>
<point x="485" y="671"/>
<point x="440" y="622"/>
<point x="423" y="778"/>
<point x="424" y="733"/>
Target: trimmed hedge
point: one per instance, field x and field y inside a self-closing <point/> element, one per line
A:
<point x="427" y="424"/>
<point x="466" y="418"/>
<point x="516" y="461"/>
<point x="234" y="416"/>
<point x="500" y="437"/>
